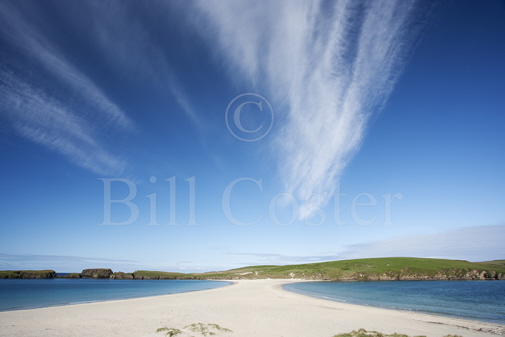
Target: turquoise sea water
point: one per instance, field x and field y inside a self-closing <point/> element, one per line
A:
<point x="476" y="300"/>
<point x="18" y="294"/>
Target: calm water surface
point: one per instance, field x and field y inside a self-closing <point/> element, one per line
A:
<point x="18" y="294"/>
<point x="477" y="300"/>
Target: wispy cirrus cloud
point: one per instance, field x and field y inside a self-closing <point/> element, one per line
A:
<point x="330" y="64"/>
<point x="55" y="104"/>
<point x="476" y="244"/>
<point x="68" y="263"/>
<point x="479" y="243"/>
<point x="130" y="46"/>
<point x="63" y="263"/>
<point x="36" y="101"/>
<point x="51" y="123"/>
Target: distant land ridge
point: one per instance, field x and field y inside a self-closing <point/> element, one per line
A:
<point x="27" y="274"/>
<point x="374" y="269"/>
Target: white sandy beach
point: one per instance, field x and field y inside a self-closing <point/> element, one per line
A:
<point x="248" y="308"/>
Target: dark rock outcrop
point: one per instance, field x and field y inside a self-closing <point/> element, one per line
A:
<point x="96" y="273"/>
<point x="37" y="274"/>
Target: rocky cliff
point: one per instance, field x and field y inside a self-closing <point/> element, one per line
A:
<point x="96" y="273"/>
<point x="37" y="274"/>
<point x="442" y="275"/>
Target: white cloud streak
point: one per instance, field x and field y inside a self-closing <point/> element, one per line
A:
<point x="65" y="263"/>
<point x="47" y="118"/>
<point x="48" y="122"/>
<point x="331" y="64"/>
<point x="476" y="244"/>
<point x="129" y="47"/>
<point x="77" y="126"/>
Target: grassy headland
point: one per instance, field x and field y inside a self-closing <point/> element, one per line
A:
<point x="395" y="268"/>
<point x="27" y="274"/>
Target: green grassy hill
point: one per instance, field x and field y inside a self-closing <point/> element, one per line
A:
<point x="494" y="263"/>
<point x="397" y="268"/>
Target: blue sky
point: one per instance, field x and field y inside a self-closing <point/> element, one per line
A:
<point x="197" y="136"/>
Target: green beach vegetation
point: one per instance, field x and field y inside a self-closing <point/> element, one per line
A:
<point x="210" y="329"/>
<point x="364" y="333"/>
<point x="170" y="332"/>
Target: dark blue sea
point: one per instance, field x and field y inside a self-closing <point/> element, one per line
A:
<point x="16" y="294"/>
<point x="475" y="300"/>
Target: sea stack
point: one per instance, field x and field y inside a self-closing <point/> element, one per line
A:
<point x="96" y="273"/>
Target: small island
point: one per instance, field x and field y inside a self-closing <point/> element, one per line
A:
<point x="27" y="274"/>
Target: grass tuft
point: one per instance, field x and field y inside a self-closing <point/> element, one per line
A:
<point x="204" y="329"/>
<point x="170" y="332"/>
<point x="364" y="333"/>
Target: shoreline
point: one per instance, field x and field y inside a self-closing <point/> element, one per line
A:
<point x="109" y="300"/>
<point x="405" y="309"/>
<point x="247" y="307"/>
